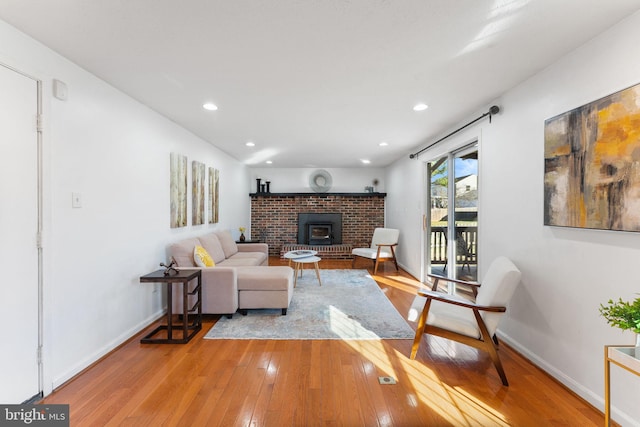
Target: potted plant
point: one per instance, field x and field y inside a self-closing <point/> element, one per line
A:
<point x="624" y="315"/>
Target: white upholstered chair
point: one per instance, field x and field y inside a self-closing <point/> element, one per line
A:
<point x="382" y="248"/>
<point x="471" y="323"/>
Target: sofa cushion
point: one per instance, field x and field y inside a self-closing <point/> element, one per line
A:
<point x="229" y="245"/>
<point x="250" y="258"/>
<point x="239" y="262"/>
<point x="182" y="252"/>
<point x="264" y="278"/>
<point x="212" y="244"/>
<point x="202" y="258"/>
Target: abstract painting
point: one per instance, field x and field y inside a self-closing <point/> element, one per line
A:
<point x="178" y="190"/>
<point x="197" y="189"/>
<point x="214" y="184"/>
<point x="592" y="164"/>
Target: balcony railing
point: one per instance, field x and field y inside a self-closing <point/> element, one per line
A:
<point x="466" y="244"/>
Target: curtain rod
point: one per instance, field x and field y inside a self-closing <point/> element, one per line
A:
<point x="493" y="110"/>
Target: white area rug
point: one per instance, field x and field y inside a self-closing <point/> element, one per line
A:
<point x="348" y="306"/>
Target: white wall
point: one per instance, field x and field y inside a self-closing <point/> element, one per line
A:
<point x="115" y="152"/>
<point x="296" y="180"/>
<point x="567" y="273"/>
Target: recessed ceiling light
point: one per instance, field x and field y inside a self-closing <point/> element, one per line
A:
<point x="210" y="106"/>
<point x="365" y="161"/>
<point x="420" y="107"/>
<point x="268" y="162"/>
<point x="250" y="144"/>
<point x="383" y="144"/>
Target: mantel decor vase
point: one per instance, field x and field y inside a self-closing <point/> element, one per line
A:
<point x="242" y="238"/>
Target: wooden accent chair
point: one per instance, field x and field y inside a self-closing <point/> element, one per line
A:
<point x="382" y="248"/>
<point x="471" y="323"/>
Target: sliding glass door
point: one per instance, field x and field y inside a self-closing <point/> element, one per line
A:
<point x="451" y="222"/>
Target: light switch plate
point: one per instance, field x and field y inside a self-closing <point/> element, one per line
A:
<point x="60" y="90"/>
<point x="76" y="200"/>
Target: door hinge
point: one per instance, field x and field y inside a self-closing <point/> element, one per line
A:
<point x="39" y="355"/>
<point x="39" y="123"/>
<point x="39" y="240"/>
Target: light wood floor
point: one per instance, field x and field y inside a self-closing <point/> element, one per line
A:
<point x="317" y="383"/>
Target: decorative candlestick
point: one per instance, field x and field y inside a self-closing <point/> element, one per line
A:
<point x="258" y="180"/>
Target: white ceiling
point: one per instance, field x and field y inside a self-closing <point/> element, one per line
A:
<point x="315" y="83"/>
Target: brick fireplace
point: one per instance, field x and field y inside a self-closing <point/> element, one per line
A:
<point x="274" y="219"/>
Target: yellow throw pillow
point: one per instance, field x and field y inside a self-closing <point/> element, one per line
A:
<point x="202" y="258"/>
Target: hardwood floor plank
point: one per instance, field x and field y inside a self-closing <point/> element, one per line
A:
<point x="235" y="392"/>
<point x="257" y="377"/>
<point x="349" y="404"/>
<point x="259" y="403"/>
<point x="199" y="414"/>
<point x="323" y="382"/>
<point x="376" y="407"/>
<point x="327" y="404"/>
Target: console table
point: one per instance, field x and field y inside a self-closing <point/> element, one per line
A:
<point x="195" y="312"/>
<point x="624" y="356"/>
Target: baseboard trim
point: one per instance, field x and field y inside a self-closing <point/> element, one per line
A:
<point x="575" y="387"/>
<point x="94" y="358"/>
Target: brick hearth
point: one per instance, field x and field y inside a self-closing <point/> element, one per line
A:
<point x="274" y="219"/>
<point x="324" y="251"/>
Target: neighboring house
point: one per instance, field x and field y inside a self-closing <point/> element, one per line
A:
<point x="466" y="184"/>
<point x="466" y="193"/>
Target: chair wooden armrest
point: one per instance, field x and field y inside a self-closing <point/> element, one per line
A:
<point x="446" y="279"/>
<point x="474" y="285"/>
<point x="439" y="296"/>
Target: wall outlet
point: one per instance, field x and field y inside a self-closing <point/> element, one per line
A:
<point x="386" y="380"/>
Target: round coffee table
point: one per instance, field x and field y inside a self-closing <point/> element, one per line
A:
<point x="299" y="266"/>
<point x="291" y="255"/>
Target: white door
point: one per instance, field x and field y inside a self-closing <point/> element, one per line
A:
<point x="19" y="295"/>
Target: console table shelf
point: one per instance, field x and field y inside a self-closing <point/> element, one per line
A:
<point x="627" y="358"/>
<point x="191" y="317"/>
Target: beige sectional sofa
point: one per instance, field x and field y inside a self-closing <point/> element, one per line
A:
<point x="241" y="278"/>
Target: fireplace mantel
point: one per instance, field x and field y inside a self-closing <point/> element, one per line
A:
<point x="318" y="194"/>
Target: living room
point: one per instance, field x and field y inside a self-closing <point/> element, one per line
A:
<point x="114" y="151"/>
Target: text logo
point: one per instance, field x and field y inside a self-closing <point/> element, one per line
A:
<point x="34" y="415"/>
